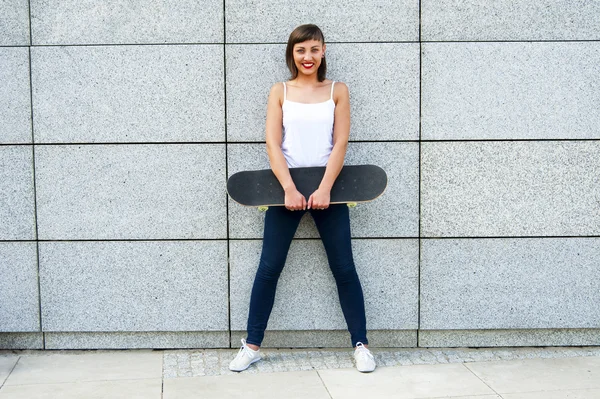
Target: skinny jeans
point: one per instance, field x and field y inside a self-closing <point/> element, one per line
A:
<point x="333" y="225"/>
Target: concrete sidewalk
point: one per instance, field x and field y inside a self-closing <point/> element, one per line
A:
<point x="488" y="373"/>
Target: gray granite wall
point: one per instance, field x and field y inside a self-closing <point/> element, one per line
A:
<point x="121" y="121"/>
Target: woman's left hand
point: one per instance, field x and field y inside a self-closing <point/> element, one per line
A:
<point x="319" y="199"/>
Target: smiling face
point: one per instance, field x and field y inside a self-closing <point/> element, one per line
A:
<point x="304" y="53"/>
<point x="308" y="56"/>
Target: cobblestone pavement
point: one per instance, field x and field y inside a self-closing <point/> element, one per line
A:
<point x="194" y="363"/>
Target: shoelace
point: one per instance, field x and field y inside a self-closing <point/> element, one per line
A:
<point x="363" y="351"/>
<point x="244" y="350"/>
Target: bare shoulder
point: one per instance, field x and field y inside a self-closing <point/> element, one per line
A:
<point x="277" y="88"/>
<point x="340" y="91"/>
<point x="276" y="92"/>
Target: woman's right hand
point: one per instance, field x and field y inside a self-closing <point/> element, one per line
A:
<point x="294" y="201"/>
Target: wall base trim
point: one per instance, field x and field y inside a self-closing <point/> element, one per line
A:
<point x="493" y="338"/>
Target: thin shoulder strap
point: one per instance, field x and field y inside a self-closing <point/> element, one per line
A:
<point x="332" y="83"/>
<point x="284" y="91"/>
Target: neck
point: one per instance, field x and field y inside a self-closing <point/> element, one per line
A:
<point x="304" y="80"/>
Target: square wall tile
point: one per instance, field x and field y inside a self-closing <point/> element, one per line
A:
<point x="131" y="191"/>
<point x="341" y="21"/>
<point x="14" y="23"/>
<point x="510" y="283"/>
<point x="307" y="298"/>
<point x="473" y="20"/>
<point x="15" y="97"/>
<point x="510" y="188"/>
<point x="134" y="286"/>
<point x="96" y="94"/>
<point x="19" y="294"/>
<point x="126" y="22"/>
<point x="510" y="91"/>
<point x="17" y="198"/>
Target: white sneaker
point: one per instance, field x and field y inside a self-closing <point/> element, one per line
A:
<point x="365" y="362"/>
<point x="244" y="358"/>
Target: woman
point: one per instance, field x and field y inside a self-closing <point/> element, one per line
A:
<point x="308" y="123"/>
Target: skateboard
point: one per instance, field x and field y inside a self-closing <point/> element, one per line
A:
<point x="354" y="184"/>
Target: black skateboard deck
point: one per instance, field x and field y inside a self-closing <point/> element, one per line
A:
<point x="260" y="188"/>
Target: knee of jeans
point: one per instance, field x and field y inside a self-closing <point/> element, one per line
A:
<point x="344" y="271"/>
<point x="269" y="269"/>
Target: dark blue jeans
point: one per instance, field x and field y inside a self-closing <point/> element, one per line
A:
<point x="333" y="224"/>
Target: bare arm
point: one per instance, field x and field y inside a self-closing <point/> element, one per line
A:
<point x="293" y="198"/>
<point x="341" y="133"/>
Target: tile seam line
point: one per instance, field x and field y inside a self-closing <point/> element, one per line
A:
<point x="516" y="41"/>
<point x="194" y="44"/>
<point x="328" y="42"/>
<point x="316" y="238"/>
<point x="464" y="364"/>
<point x="203" y="240"/>
<point x="226" y="172"/>
<point x="134" y="240"/>
<point x="29" y="19"/>
<point x="262" y="142"/>
<point x="10" y="372"/>
<point x="123" y="44"/>
<point x="296" y="238"/>
<point x="545" y="390"/>
<point x="85" y="381"/>
<point x="35" y="208"/>
<point x="186" y="142"/>
<point x="508" y="140"/>
<point x="162" y="375"/>
<point x="324" y="385"/>
<point x="283" y="43"/>
<point x="505" y="237"/>
<point x="419" y="243"/>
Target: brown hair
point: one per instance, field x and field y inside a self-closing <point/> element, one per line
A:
<point x="301" y="34"/>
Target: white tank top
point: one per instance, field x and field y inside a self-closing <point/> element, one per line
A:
<point x="307" y="131"/>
